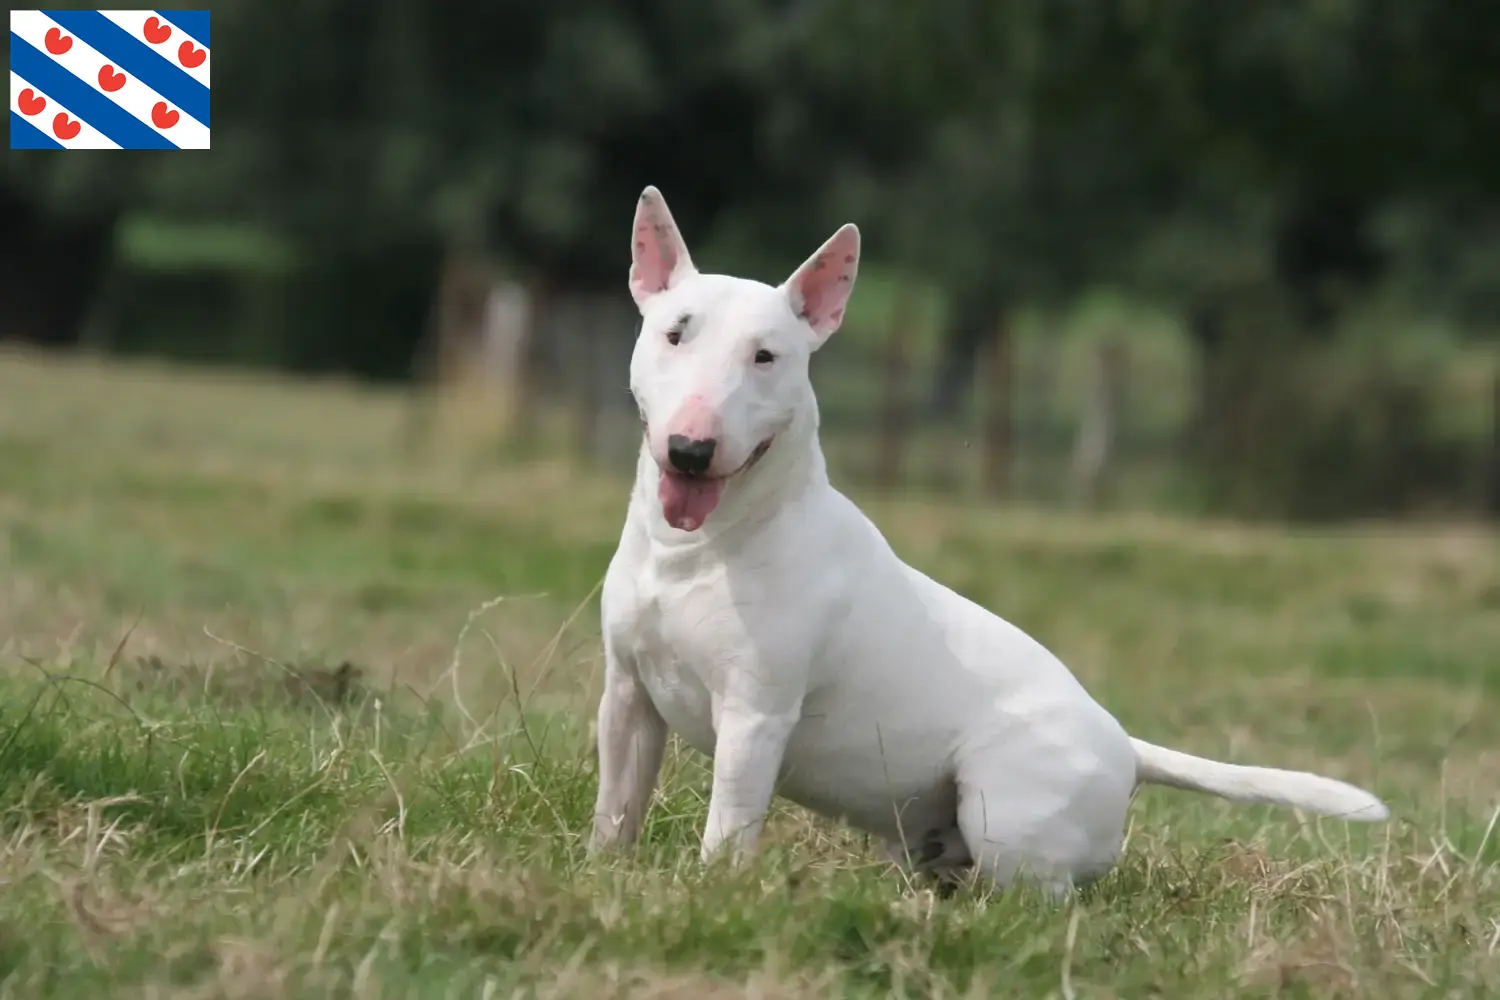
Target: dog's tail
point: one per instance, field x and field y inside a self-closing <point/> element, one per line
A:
<point x="1160" y="766"/>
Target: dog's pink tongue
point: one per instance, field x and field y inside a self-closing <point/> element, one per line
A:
<point x="687" y="502"/>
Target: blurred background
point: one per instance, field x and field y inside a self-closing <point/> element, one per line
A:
<point x="1176" y="342"/>
<point x="1234" y="259"/>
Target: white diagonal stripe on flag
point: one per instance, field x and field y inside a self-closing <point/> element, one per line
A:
<point x="85" y="62"/>
<point x="88" y="137"/>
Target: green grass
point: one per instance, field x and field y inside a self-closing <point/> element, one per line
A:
<point x="197" y="800"/>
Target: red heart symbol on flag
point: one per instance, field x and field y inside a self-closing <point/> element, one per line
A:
<point x="109" y="79"/>
<point x="64" y="129"/>
<point x="190" y="57"/>
<point x="162" y="117"/>
<point x="31" y="102"/>
<point x="155" y="31"/>
<point x="57" y="42"/>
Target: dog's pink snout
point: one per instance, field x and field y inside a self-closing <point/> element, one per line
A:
<point x="693" y="436"/>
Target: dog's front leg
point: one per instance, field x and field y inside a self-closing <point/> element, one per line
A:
<point x="748" y="750"/>
<point x="632" y="737"/>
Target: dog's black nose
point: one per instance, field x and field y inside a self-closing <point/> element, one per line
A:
<point x="692" y="457"/>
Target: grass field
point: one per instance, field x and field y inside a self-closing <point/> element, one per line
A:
<point x="269" y="730"/>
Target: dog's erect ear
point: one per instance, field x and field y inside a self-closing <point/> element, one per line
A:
<point x="820" y="288"/>
<point x="658" y="257"/>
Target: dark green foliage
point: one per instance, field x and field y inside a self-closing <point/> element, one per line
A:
<point x="1292" y="424"/>
<point x="1012" y="154"/>
<point x="1032" y="143"/>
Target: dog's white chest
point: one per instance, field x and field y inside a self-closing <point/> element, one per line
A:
<point x="682" y="639"/>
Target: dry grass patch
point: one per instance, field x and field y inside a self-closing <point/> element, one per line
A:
<point x="219" y="807"/>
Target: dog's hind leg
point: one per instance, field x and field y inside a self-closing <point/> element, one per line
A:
<point x="1055" y="828"/>
<point x="632" y="737"/>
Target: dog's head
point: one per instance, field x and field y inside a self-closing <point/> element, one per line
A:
<point x="720" y="368"/>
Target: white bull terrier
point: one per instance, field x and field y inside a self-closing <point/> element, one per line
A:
<point x="755" y="610"/>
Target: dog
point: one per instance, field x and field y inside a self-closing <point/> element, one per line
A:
<point x="755" y="610"/>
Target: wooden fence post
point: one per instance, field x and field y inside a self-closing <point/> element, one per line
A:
<point x="438" y="360"/>
<point x="579" y="364"/>
<point x="895" y="404"/>
<point x="1494" y="463"/>
<point x="999" y="383"/>
<point x="1098" y="431"/>
<point x="527" y="415"/>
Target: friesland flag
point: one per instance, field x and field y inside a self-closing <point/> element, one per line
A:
<point x="109" y="79"/>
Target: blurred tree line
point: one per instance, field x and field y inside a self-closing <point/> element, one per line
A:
<point x="1261" y="169"/>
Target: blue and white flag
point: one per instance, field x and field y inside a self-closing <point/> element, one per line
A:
<point x="109" y="79"/>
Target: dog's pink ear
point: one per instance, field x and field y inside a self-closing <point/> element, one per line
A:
<point x="658" y="257"/>
<point x="819" y="289"/>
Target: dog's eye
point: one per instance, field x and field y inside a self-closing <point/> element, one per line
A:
<point x="764" y="357"/>
<point x="674" y="332"/>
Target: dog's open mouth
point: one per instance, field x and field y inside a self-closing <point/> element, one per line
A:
<point x="687" y="500"/>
